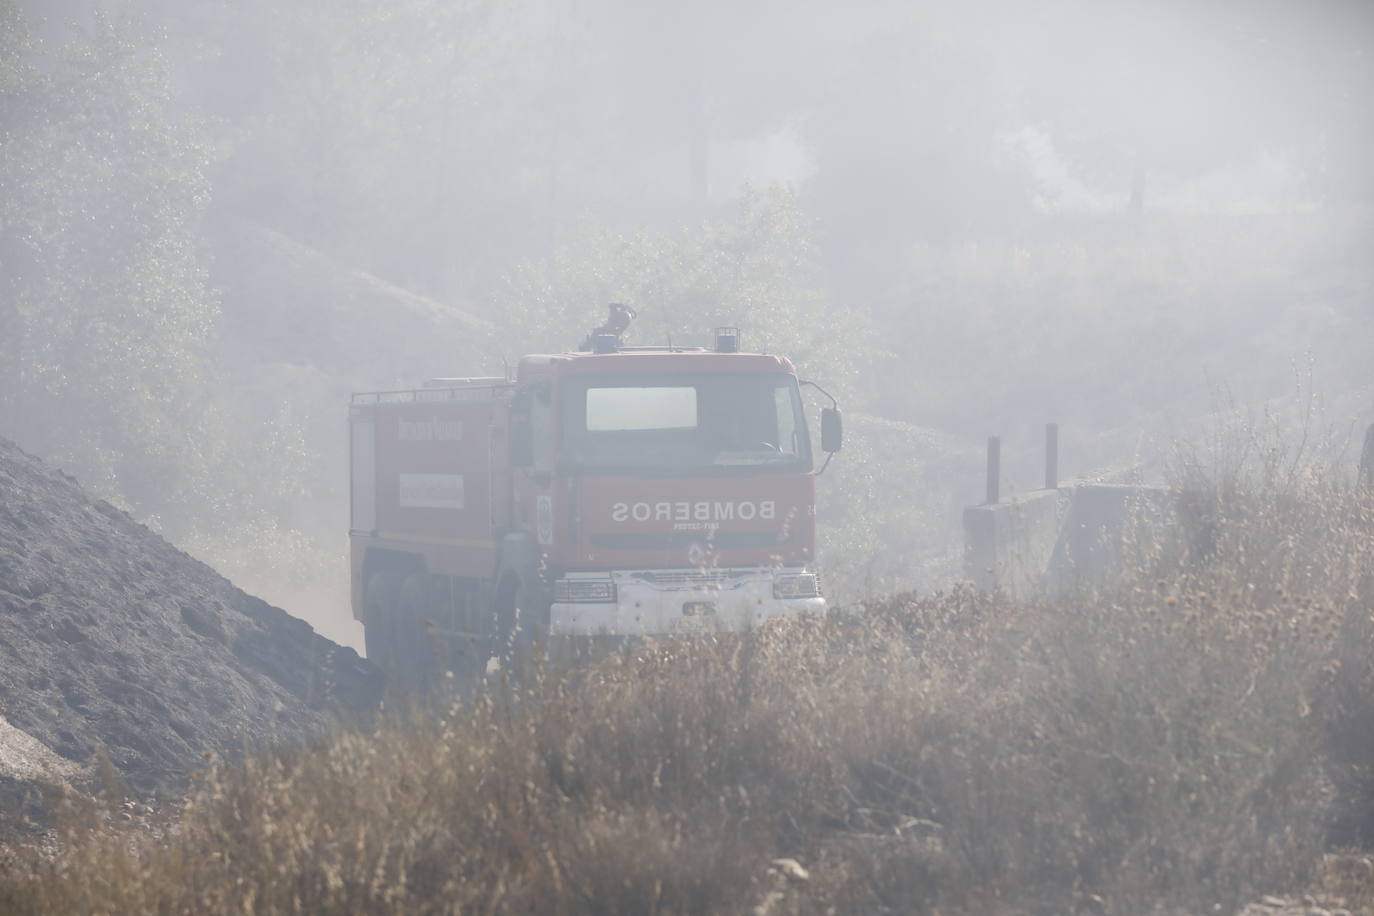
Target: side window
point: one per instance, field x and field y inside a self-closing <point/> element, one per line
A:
<point x="787" y="420"/>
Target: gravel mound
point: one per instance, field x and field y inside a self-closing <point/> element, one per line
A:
<point x="112" y="639"/>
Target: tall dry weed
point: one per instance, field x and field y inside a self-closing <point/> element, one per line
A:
<point x="1184" y="737"/>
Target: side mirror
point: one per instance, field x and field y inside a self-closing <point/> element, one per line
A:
<point x="832" y="429"/>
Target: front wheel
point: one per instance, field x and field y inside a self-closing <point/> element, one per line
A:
<point x="521" y="612"/>
<point x="566" y="652"/>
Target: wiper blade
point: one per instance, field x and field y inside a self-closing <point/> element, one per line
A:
<point x="743" y="470"/>
<point x="743" y="462"/>
<point x="653" y="473"/>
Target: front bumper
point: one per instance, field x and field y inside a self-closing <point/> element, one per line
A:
<point x="663" y="602"/>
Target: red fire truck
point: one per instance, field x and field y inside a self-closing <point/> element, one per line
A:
<point x="615" y="491"/>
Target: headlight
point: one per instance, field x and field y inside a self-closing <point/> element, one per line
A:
<point x="598" y="591"/>
<point x="796" y="585"/>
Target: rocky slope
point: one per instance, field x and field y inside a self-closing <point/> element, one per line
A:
<point x="113" y="640"/>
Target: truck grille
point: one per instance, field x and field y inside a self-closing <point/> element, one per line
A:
<point x="687" y="579"/>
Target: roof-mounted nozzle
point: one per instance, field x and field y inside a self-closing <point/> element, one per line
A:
<point x="606" y="339"/>
<point x="727" y="340"/>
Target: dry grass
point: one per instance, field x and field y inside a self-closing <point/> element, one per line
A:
<point x="1185" y="740"/>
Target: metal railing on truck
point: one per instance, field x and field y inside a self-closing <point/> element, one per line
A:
<point x="438" y="390"/>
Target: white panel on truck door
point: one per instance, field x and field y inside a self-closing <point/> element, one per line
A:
<point x="364" y="466"/>
<point x="432" y="491"/>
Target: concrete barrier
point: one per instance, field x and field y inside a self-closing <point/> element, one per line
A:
<point x="1010" y="544"/>
<point x="1051" y="541"/>
<point x="1108" y="528"/>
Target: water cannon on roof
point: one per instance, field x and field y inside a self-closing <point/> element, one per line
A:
<point x="606" y="339"/>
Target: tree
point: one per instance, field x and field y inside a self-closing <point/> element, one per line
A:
<point x="393" y="135"/>
<point x="104" y="299"/>
<point x="103" y="302"/>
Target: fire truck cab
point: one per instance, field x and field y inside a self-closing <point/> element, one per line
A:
<point x="609" y="492"/>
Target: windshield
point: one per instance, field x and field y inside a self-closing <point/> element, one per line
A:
<point x="725" y="423"/>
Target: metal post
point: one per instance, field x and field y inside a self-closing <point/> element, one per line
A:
<point x="1051" y="456"/>
<point x="1367" y="459"/>
<point x="994" y="468"/>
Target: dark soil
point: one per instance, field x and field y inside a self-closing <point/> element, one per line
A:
<point x="113" y="640"/>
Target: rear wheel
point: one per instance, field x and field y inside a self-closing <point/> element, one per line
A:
<point x="413" y="659"/>
<point x="380" y="599"/>
<point x="394" y="628"/>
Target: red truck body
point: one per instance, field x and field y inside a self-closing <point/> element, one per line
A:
<point x="628" y="492"/>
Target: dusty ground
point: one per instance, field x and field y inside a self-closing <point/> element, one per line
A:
<point x="29" y="775"/>
<point x="24" y="758"/>
<point x="113" y="640"/>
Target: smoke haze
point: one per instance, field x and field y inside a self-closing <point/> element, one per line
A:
<point x="217" y="219"/>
